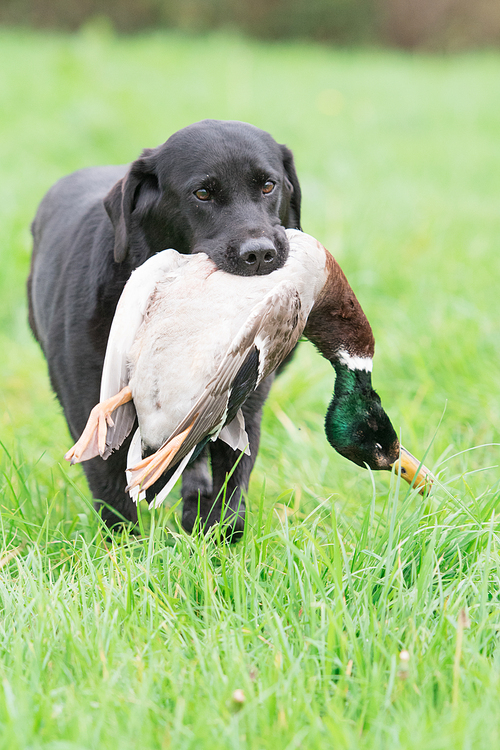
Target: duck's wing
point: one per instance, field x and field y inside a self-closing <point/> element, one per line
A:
<point x="269" y="334"/>
<point x="128" y="318"/>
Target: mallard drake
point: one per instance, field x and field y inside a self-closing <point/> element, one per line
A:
<point x="189" y="343"/>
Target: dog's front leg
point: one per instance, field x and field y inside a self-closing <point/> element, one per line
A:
<point x="207" y="500"/>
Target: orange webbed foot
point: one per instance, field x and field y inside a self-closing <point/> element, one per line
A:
<point x="92" y="441"/>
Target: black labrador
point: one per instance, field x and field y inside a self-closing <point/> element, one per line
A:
<point x="224" y="188"/>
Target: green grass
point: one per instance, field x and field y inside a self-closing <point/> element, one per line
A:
<point x="353" y="614"/>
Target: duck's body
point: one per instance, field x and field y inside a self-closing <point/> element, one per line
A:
<point x="194" y="314"/>
<point x="189" y="343"/>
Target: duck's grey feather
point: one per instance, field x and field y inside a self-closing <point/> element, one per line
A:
<point x="123" y="422"/>
<point x="235" y="435"/>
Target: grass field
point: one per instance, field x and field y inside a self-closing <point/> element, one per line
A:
<point x="353" y="614"/>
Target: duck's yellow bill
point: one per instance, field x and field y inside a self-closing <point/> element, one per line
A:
<point x="412" y="470"/>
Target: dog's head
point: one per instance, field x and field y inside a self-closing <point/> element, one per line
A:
<point x="224" y="188"/>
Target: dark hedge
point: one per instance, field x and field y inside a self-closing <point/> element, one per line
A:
<point x="411" y="24"/>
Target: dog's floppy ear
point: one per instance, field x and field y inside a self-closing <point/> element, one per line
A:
<point x="137" y="190"/>
<point x="291" y="210"/>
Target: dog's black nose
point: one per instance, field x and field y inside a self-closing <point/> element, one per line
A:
<point x="257" y="256"/>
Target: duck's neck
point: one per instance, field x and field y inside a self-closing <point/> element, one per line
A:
<point x="337" y="325"/>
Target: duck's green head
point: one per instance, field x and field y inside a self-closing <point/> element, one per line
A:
<point x="358" y="428"/>
<point x="356" y="425"/>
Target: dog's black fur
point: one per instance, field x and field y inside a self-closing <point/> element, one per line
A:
<point x="96" y="225"/>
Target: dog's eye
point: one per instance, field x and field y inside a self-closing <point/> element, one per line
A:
<point x="202" y="194"/>
<point x="268" y="187"/>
